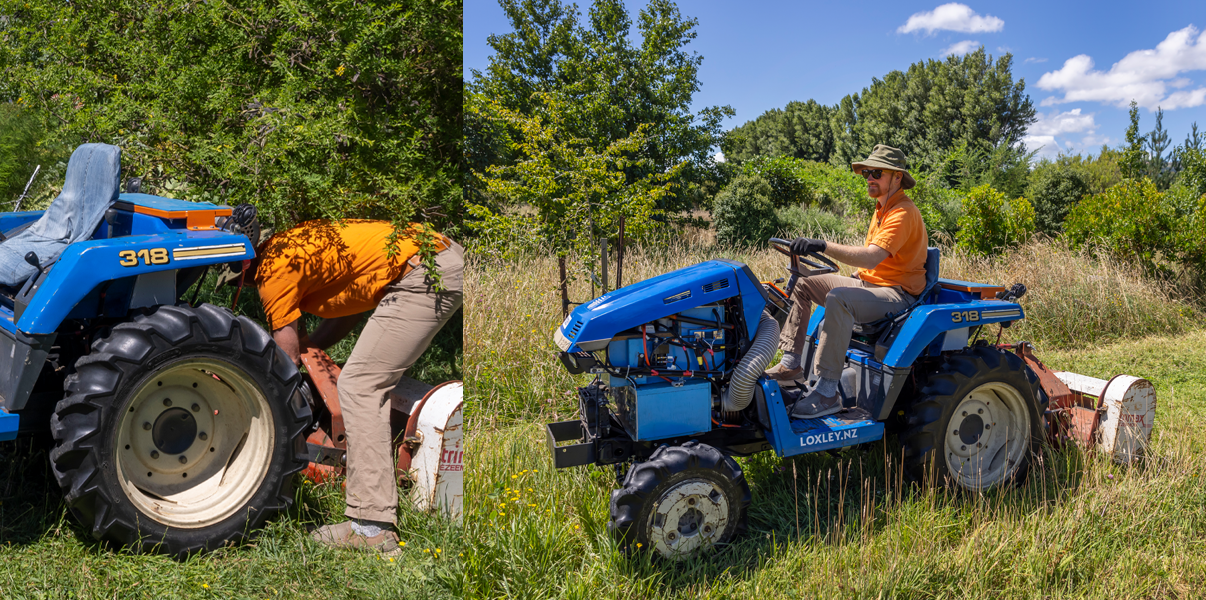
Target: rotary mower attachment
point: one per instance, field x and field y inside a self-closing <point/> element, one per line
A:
<point x="1116" y="415"/>
<point x="425" y="423"/>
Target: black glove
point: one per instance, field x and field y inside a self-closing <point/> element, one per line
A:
<point x="805" y="245"/>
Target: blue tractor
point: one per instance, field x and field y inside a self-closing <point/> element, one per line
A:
<point x="175" y="425"/>
<point x="679" y="391"/>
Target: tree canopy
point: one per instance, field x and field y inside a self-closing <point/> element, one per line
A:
<point x="306" y="108"/>
<point x="616" y="88"/>
<point x="925" y="111"/>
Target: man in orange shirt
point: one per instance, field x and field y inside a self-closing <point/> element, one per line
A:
<point x="891" y="274"/>
<point x="341" y="272"/>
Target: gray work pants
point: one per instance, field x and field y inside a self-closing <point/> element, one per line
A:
<point x="847" y="301"/>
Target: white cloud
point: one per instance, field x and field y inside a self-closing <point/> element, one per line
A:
<point x="718" y="157"/>
<point x="1092" y="141"/>
<point x="960" y="48"/>
<point x="951" y="17"/>
<point x="1044" y="144"/>
<point x="1033" y="59"/>
<point x="1143" y="75"/>
<point x="1058" y="123"/>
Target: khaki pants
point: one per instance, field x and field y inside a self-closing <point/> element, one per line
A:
<point x="847" y="301"/>
<point x="397" y="333"/>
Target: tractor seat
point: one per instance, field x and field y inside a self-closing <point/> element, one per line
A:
<point x="875" y="328"/>
<point x="91" y="186"/>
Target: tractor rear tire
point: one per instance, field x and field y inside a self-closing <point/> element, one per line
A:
<point x="180" y="431"/>
<point x="681" y="502"/>
<point x="977" y="421"/>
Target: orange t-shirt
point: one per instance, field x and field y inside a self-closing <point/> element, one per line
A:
<point x="897" y="227"/>
<point x="329" y="270"/>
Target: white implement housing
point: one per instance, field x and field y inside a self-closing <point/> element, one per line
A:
<point x="434" y="438"/>
<point x="1126" y="412"/>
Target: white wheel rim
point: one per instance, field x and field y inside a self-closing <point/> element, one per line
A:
<point x="688" y="517"/>
<point x="211" y="478"/>
<point x="988" y="436"/>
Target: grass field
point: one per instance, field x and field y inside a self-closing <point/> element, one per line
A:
<point x="846" y="526"/>
<point x="48" y="555"/>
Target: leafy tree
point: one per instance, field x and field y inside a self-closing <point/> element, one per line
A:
<point x="743" y="213"/>
<point x="991" y="222"/>
<point x="1133" y="163"/>
<point x="579" y="193"/>
<point x="307" y="108"/>
<point x="1132" y="220"/>
<point x="21" y="151"/>
<point x="800" y="130"/>
<point x="1053" y="191"/>
<point x="620" y="87"/>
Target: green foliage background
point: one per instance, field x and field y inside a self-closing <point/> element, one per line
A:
<point x="306" y="108"/>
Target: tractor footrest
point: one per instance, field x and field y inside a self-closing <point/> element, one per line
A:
<point x="847" y="428"/>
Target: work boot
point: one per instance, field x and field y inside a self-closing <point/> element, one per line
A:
<point x="814" y="405"/>
<point x="341" y="535"/>
<point x="786" y="377"/>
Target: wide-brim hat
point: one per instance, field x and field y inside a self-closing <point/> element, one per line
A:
<point x="889" y="158"/>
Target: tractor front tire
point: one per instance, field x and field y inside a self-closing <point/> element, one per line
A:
<point x="682" y="501"/>
<point x="180" y="431"/>
<point x="977" y="421"/>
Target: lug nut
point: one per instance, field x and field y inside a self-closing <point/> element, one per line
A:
<point x="196" y="407"/>
<point x="167" y="401"/>
<point x="204" y="436"/>
<point x="965" y="413"/>
<point x="707" y="529"/>
<point x="690" y="501"/>
<point x="146" y="426"/>
<point x="670" y="536"/>
<point x="963" y="447"/>
<point x="981" y="411"/>
<point x="987" y="426"/>
<point x="154" y="454"/>
<point x="183" y="459"/>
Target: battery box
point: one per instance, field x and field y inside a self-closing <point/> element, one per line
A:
<point x="656" y="411"/>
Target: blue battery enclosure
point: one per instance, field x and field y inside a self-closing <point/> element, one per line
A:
<point x="662" y="410"/>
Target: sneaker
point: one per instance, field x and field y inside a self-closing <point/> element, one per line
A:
<point x="341" y="535"/>
<point x="786" y="377"/>
<point x="814" y="405"/>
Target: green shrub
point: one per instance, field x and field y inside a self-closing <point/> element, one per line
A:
<point x="784" y="175"/>
<point x="940" y="208"/>
<point x="991" y="221"/>
<point x="1053" y="192"/>
<point x="815" y="222"/>
<point x="797" y="182"/>
<point x="1131" y="220"/>
<point x="1193" y="170"/>
<point x="743" y="213"/>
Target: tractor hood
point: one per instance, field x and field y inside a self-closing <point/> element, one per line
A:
<point x="590" y="326"/>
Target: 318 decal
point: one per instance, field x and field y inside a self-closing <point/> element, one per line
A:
<point x="968" y="316"/>
<point x="153" y="256"/>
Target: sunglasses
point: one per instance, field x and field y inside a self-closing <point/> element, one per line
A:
<point x="871" y="173"/>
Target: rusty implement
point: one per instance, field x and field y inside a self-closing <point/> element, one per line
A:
<point x="1115" y="415"/>
<point x="425" y="422"/>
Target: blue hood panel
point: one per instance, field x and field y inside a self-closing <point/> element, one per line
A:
<point x="598" y="321"/>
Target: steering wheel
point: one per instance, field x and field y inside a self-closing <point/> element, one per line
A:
<point x="817" y="263"/>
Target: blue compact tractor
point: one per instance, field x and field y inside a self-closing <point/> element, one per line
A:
<point x="175" y="425"/>
<point x="679" y="391"/>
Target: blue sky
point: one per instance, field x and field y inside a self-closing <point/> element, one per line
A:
<point x="1082" y="62"/>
